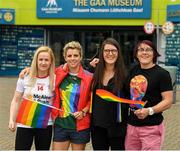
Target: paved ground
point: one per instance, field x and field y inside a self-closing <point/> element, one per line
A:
<point x="7" y="86"/>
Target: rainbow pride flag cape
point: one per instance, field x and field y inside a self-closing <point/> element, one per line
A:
<point x="108" y="96"/>
<point x="33" y="114"/>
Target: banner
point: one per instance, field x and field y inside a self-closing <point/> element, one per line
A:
<point x="93" y="8"/>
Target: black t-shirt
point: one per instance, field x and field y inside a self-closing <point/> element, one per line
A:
<point x="105" y="114"/>
<point x="148" y="84"/>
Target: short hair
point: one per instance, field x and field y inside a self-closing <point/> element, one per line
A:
<point x="150" y="44"/>
<point x="73" y="45"/>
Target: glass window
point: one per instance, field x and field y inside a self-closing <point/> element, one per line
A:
<point x="91" y="38"/>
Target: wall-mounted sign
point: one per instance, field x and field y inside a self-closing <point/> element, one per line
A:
<point x="168" y="27"/>
<point x="149" y="27"/>
<point x="7" y="16"/>
<point x="17" y="47"/>
<point x="173" y="13"/>
<point x="93" y="8"/>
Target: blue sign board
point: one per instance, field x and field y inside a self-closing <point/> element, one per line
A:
<point x="173" y="13"/>
<point x="93" y="8"/>
<point x="7" y="16"/>
<point x="17" y="47"/>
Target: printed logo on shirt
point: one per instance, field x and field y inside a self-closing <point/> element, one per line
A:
<point x="40" y="86"/>
<point x="42" y="98"/>
<point x="138" y="87"/>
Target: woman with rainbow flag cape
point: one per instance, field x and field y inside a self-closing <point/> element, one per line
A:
<point x="147" y="82"/>
<point x="36" y="91"/>
<point x="73" y="84"/>
<point x="109" y="119"/>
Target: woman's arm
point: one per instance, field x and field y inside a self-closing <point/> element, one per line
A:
<point x="166" y="103"/>
<point x="13" y="110"/>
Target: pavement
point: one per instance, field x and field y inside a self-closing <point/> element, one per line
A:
<point x="7" y="87"/>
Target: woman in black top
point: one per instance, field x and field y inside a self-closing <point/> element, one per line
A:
<point x="109" y="118"/>
<point x="151" y="83"/>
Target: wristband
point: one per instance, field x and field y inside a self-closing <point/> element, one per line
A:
<point x="150" y="111"/>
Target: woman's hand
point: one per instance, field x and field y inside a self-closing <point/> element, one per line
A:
<point x="13" y="110"/>
<point x="94" y="62"/>
<point x="65" y="66"/>
<point x="142" y="113"/>
<point x="12" y="126"/>
<point x="24" y="72"/>
<point x="78" y="115"/>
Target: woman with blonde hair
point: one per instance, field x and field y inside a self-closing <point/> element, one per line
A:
<point x="37" y="86"/>
<point x="72" y="90"/>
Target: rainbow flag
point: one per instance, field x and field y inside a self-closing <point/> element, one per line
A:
<point x="108" y="96"/>
<point x="33" y="114"/>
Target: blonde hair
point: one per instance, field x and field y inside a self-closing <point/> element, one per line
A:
<point x="73" y="45"/>
<point x="34" y="69"/>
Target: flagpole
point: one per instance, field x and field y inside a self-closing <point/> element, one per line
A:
<point x="50" y="106"/>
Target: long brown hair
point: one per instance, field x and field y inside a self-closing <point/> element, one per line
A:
<point x="119" y="68"/>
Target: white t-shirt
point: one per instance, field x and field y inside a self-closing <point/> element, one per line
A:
<point x="40" y="92"/>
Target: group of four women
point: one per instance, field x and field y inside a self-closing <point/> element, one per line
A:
<point x="81" y="110"/>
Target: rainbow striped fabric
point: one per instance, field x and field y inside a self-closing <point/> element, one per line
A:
<point x="108" y="96"/>
<point x="33" y="114"/>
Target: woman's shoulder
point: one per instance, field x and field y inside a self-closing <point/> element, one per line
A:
<point x="25" y="78"/>
<point x="133" y="67"/>
<point x="62" y="70"/>
<point x="161" y="70"/>
<point x="22" y="82"/>
<point x="59" y="69"/>
<point x="88" y="73"/>
<point x="84" y="73"/>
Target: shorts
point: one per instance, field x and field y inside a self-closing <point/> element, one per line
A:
<point x="76" y="137"/>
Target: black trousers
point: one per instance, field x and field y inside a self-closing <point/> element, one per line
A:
<point x="101" y="140"/>
<point x="41" y="137"/>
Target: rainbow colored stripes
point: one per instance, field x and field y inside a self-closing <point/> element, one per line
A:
<point x="108" y="96"/>
<point x="33" y="114"/>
